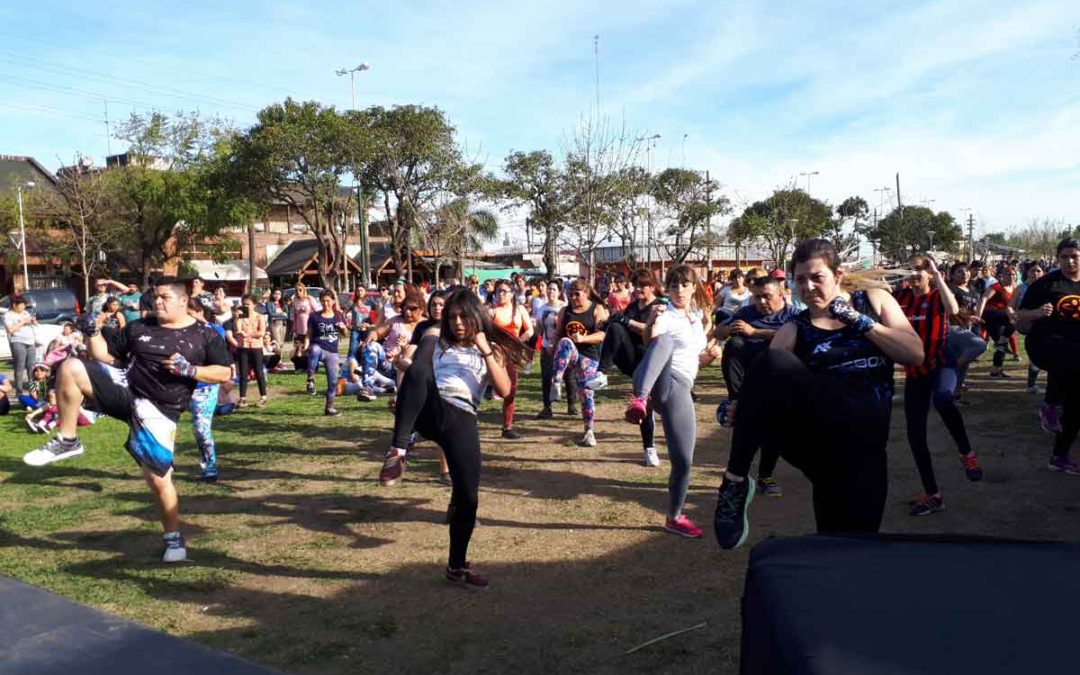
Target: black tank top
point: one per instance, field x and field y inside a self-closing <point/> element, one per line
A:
<point x="582" y="323"/>
<point x="846" y="353"/>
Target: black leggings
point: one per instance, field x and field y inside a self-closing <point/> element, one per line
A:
<point x="1059" y="356"/>
<point x="245" y="360"/>
<point x="547" y="369"/>
<point x="1000" y="328"/>
<point x="832" y="428"/>
<point x="937" y="386"/>
<point x="738" y="359"/>
<point x="619" y="349"/>
<point x="455" y="431"/>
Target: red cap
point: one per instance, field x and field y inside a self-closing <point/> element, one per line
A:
<point x="778" y="273"/>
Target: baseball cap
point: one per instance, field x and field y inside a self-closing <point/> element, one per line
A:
<point x="778" y="273"/>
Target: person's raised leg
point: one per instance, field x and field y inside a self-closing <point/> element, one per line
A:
<point x="72" y="389"/>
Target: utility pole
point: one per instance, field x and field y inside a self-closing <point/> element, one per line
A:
<point x="971" y="236"/>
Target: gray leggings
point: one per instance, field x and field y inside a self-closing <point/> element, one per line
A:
<point x="23" y="356"/>
<point x="671" y="399"/>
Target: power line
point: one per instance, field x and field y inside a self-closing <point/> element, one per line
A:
<point x="48" y="110"/>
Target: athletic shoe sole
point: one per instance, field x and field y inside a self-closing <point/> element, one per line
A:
<point x="751" y="489"/>
<point x="52" y="458"/>
<point x="684" y="535"/>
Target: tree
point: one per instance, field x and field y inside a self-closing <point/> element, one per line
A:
<point x="594" y="185"/>
<point x="297" y="154"/>
<point x="80" y="203"/>
<point x="687" y="204"/>
<point x="850" y="223"/>
<point x="161" y="195"/>
<point x="778" y="223"/>
<point x="532" y="180"/>
<point x="414" y="161"/>
<point x="455" y="229"/>
<point x="913" y="229"/>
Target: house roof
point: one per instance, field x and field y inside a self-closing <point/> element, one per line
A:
<point x="292" y="258"/>
<point x="16" y="170"/>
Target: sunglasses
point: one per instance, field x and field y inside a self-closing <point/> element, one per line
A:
<point x="412" y="308"/>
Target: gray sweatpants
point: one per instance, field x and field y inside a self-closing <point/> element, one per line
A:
<point x="670" y="393"/>
<point x="23" y="357"/>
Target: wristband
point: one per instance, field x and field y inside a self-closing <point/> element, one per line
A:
<point x="487" y="355"/>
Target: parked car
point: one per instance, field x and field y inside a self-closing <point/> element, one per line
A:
<point x="49" y="305"/>
<point x="44" y="333"/>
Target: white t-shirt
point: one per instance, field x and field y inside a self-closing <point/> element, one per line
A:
<point x="460" y="375"/>
<point x="24" y="335"/>
<point x="732" y="300"/>
<point x="688" y="338"/>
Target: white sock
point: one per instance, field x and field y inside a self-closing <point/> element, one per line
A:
<point x="733" y="478"/>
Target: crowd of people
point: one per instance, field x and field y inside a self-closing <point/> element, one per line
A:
<point x="816" y="340"/>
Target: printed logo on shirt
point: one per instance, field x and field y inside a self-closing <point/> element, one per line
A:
<point x="1068" y="307"/>
<point x="576" y="328"/>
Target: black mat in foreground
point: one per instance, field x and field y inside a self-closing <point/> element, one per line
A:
<point x="898" y="605"/>
<point x="44" y="634"/>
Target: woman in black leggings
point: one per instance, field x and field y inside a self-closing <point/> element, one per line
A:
<point x="829" y="374"/>
<point x="1050" y="316"/>
<point x="440" y="394"/>
<point x="995" y="309"/>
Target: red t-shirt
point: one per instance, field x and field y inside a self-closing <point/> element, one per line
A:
<point x="1001" y="299"/>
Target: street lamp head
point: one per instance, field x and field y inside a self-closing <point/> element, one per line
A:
<point x="364" y="66"/>
<point x="341" y="72"/>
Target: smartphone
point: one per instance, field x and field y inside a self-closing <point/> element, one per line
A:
<point x="245" y="313"/>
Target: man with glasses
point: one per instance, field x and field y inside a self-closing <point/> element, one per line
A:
<point x="96" y="303"/>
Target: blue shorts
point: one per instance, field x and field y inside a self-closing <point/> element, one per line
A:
<point x="153" y="433"/>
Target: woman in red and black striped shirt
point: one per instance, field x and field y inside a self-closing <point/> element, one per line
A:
<point x="928" y="303"/>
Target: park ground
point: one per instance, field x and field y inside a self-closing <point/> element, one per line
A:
<point x="299" y="560"/>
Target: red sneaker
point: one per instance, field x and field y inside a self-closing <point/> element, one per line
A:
<point x="393" y="468"/>
<point x="466" y="577"/>
<point x="635" y="409"/>
<point x="683" y="527"/>
<point x="971" y="466"/>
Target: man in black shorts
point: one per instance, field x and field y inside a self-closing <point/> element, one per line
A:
<point x="145" y="378"/>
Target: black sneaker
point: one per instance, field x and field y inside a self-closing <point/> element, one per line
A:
<point x="310" y="387"/>
<point x="54" y="451"/>
<point x="573" y="411"/>
<point x="732" y="502"/>
<point x="511" y="434"/>
<point x="545" y="414"/>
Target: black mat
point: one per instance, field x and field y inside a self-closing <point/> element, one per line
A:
<point x="897" y="605"/>
<point x="44" y="634"/>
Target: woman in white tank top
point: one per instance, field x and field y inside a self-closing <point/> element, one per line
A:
<point x="439" y="396"/>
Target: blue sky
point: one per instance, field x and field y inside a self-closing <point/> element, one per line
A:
<point x="976" y="104"/>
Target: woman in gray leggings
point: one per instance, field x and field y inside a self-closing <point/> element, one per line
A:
<point x="19" y="325"/>
<point x="675" y="334"/>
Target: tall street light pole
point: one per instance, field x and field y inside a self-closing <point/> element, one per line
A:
<point x="365" y="261"/>
<point x="22" y="234"/>
<point x="808" y="174"/>
<point x="650" y="143"/>
<point x="351" y="72"/>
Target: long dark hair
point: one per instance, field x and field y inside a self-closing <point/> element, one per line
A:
<point x="478" y="320"/>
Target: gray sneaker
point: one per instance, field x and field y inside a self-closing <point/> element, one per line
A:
<point x="54" y="451"/>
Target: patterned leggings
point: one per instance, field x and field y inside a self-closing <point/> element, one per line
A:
<point x="203" y="403"/>
<point x="567" y="355"/>
<point x="377" y="370"/>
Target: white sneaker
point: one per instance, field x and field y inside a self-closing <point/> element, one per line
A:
<point x="589" y="440"/>
<point x="651" y="458"/>
<point x="53" y="451"/>
<point x="1034" y="390"/>
<point x="596" y="382"/>
<point x="175" y="551"/>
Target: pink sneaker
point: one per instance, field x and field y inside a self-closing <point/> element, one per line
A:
<point x="635" y="409"/>
<point x="1050" y="418"/>
<point x="1064" y="465"/>
<point x="683" y="527"/>
<point x="466" y="577"/>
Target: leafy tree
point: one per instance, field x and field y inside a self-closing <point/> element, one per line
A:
<point x="905" y="232"/>
<point x="687" y="205"/>
<point x="298" y="154"/>
<point x="161" y="195"/>
<point x="778" y="223"/>
<point x="414" y="161"/>
<point x="532" y="180"/>
<point x="634" y="183"/>
<point x="456" y="229"/>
